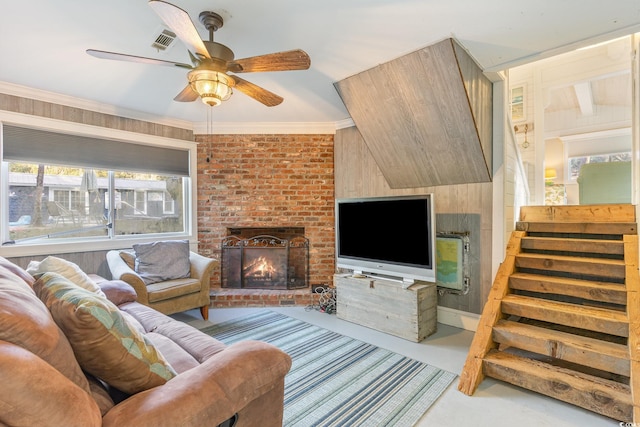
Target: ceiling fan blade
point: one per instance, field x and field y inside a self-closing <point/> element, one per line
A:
<point x="131" y="58"/>
<point x="267" y="98"/>
<point x="279" y="61"/>
<point x="180" y="23"/>
<point x="186" y="95"/>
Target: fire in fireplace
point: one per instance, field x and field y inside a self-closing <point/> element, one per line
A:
<point x="265" y="262"/>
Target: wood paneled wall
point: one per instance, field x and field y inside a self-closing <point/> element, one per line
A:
<point x="423" y="115"/>
<point x="50" y="110"/>
<point x="462" y="208"/>
<point x="89" y="262"/>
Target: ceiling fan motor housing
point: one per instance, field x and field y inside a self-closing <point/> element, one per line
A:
<point x="213" y="86"/>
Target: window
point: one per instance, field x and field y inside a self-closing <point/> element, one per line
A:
<point x="64" y="188"/>
<point x="595" y="147"/>
<point x="575" y="163"/>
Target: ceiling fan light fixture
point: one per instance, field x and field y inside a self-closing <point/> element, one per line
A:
<point x="213" y="87"/>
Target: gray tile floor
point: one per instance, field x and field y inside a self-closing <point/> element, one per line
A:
<point x="494" y="404"/>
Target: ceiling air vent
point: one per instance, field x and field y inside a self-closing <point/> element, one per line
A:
<point x="164" y="40"/>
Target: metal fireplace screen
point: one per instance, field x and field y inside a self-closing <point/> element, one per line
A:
<point x="265" y="262"/>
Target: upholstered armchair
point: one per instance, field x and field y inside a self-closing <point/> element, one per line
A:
<point x="167" y="296"/>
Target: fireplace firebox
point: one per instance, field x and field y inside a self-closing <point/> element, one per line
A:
<point x="265" y="262"/>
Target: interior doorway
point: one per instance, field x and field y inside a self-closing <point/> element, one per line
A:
<point x="573" y="119"/>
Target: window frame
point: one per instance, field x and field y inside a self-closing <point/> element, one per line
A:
<point x="95" y="243"/>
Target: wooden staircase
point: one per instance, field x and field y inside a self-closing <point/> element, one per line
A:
<point x="563" y="314"/>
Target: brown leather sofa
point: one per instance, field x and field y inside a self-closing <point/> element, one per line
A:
<point x="171" y="296"/>
<point x="45" y="384"/>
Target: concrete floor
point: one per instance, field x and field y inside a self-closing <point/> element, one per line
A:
<point x="494" y="404"/>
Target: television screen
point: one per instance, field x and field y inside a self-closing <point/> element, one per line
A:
<point x="392" y="236"/>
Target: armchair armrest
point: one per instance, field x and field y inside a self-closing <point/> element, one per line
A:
<point x="200" y="265"/>
<point x="209" y="393"/>
<point x="121" y="271"/>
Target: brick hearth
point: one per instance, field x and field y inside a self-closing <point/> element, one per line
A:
<point x="229" y="298"/>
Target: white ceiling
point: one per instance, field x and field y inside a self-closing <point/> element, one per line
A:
<point x="43" y="43"/>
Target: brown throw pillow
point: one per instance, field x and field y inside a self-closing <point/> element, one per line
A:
<point x="105" y="344"/>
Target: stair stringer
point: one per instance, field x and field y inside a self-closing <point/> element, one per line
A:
<point x="472" y="374"/>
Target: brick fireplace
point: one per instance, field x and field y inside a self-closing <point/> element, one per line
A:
<point x="254" y="182"/>
<point x="265" y="258"/>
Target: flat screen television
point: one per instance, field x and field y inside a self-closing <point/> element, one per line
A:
<point x="393" y="237"/>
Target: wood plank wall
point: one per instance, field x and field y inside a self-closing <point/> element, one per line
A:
<point x="358" y="175"/>
<point x="424" y="114"/>
<point x="65" y="113"/>
<point x="90" y="262"/>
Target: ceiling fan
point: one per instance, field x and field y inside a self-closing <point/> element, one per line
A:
<point x="208" y="78"/>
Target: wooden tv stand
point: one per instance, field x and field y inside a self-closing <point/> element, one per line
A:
<point x="386" y="306"/>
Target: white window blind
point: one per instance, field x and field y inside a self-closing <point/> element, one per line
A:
<point x="46" y="147"/>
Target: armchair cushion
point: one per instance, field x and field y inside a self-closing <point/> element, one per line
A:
<point x="161" y="261"/>
<point x="104" y="342"/>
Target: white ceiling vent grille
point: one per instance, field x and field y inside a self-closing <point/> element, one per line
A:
<point x="164" y="40"/>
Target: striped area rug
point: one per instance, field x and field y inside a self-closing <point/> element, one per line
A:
<point x="338" y="381"/>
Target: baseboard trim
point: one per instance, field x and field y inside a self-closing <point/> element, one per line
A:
<point x="458" y="318"/>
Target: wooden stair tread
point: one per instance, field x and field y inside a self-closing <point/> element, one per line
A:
<point x="603" y="320"/>
<point x="595" y="353"/>
<point x="585" y="260"/>
<point x="608" y="228"/>
<point x="599" y="246"/>
<point x="597" y="267"/>
<point x="609" y="213"/>
<point x="586" y="289"/>
<point x="599" y="395"/>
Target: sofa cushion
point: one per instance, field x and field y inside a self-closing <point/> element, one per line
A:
<point x="180" y="360"/>
<point x="34" y="393"/>
<point x="105" y="344"/>
<point x="66" y="269"/>
<point x="195" y="342"/>
<point x="26" y="322"/>
<point x="18" y="271"/>
<point x="160" y="261"/>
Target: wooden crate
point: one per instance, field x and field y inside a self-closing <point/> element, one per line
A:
<point x="385" y="306"/>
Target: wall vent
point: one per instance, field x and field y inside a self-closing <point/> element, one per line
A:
<point x="164" y="40"/>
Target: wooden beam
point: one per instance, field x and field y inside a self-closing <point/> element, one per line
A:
<point x="578" y="227"/>
<point x="608" y="213"/>
<point x="596" y="394"/>
<point x="578" y="316"/>
<point x="611" y="269"/>
<point x="563" y="244"/>
<point x="585" y="289"/>
<point x="595" y="353"/>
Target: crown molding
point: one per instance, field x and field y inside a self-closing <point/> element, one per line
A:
<point x="85" y="104"/>
<point x="291" y="128"/>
